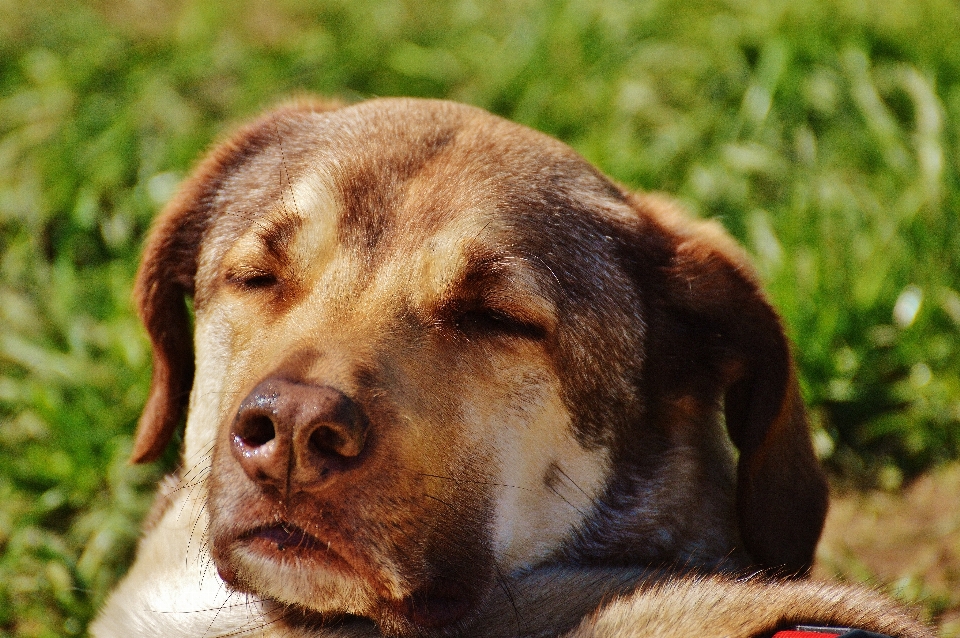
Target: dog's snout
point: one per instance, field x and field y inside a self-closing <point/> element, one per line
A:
<point x="293" y="435"/>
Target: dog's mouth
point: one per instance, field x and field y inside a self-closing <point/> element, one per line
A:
<point x="283" y="537"/>
<point x="284" y="545"/>
<point x="440" y="604"/>
<point x="286" y="540"/>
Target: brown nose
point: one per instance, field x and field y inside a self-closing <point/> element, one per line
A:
<point x="292" y="435"/>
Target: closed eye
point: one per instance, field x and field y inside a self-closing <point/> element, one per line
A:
<point x="491" y="322"/>
<point x="252" y="279"/>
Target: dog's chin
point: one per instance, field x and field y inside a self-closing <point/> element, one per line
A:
<point x="294" y="569"/>
<point x="434" y="608"/>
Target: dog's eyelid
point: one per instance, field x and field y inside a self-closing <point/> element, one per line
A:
<point x="251" y="278"/>
<point x="522" y="305"/>
<point x="251" y="265"/>
<point x="496" y="321"/>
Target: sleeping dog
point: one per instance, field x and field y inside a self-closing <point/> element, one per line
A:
<point x="444" y="378"/>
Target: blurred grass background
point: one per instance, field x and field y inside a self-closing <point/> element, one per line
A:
<point x="825" y="134"/>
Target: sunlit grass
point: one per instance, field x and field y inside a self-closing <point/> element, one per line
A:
<point x="824" y="135"/>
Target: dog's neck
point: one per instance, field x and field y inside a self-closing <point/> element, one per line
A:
<point x="546" y="602"/>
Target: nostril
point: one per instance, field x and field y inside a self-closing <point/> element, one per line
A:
<point x="255" y="430"/>
<point x="325" y="441"/>
<point x="331" y="441"/>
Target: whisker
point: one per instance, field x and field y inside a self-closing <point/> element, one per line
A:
<point x="217" y="614"/>
<point x="285" y="170"/>
<point x="555" y="278"/>
<point x="204" y="609"/>
<point x="502" y="582"/>
<point x="430" y="496"/>
<point x="193" y="531"/>
<point x="564" y="499"/>
<point x="253" y="218"/>
<point x="460" y="480"/>
<point x="572" y="482"/>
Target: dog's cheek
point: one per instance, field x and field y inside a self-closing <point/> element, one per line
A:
<point x="228" y="493"/>
<point x="211" y="394"/>
<point x="546" y="481"/>
<point x="222" y="376"/>
<point x="437" y="506"/>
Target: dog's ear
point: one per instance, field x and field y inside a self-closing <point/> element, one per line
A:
<point x="717" y="337"/>
<point x="169" y="266"/>
<point x="165" y="278"/>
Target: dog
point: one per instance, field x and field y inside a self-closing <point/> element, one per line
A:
<point x="447" y="378"/>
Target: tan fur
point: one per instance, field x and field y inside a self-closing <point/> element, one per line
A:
<point x="442" y="368"/>
<point x="713" y="606"/>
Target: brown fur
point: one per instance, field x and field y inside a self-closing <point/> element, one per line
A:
<point x="436" y="349"/>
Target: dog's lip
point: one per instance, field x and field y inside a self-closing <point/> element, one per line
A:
<point x="281" y="540"/>
<point x="285" y="536"/>
<point x="442" y="603"/>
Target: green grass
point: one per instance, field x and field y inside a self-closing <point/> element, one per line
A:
<point x="824" y="134"/>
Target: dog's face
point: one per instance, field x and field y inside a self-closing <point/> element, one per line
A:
<point x="434" y="348"/>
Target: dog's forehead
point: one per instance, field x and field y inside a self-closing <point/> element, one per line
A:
<point x="469" y="254"/>
<point x="405" y="164"/>
<point x="446" y="181"/>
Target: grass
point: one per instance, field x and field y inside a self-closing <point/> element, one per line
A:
<point x="824" y="134"/>
<point x="909" y="541"/>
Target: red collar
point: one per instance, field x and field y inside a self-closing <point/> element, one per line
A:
<point x="808" y="631"/>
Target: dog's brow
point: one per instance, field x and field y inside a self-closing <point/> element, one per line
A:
<point x="485" y="267"/>
<point x="481" y="270"/>
<point x="276" y="232"/>
<point x="500" y="280"/>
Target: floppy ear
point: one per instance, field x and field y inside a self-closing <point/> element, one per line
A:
<point x="164" y="279"/>
<point x="168" y="269"/>
<point x="726" y="342"/>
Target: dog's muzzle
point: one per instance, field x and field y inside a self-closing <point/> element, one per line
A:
<point x="294" y="436"/>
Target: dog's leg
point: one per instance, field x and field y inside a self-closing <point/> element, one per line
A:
<point x="715" y="606"/>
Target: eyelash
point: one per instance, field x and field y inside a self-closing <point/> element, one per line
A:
<point x="486" y="321"/>
<point x="255" y="280"/>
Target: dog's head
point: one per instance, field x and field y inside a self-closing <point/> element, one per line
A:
<point x="433" y="347"/>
